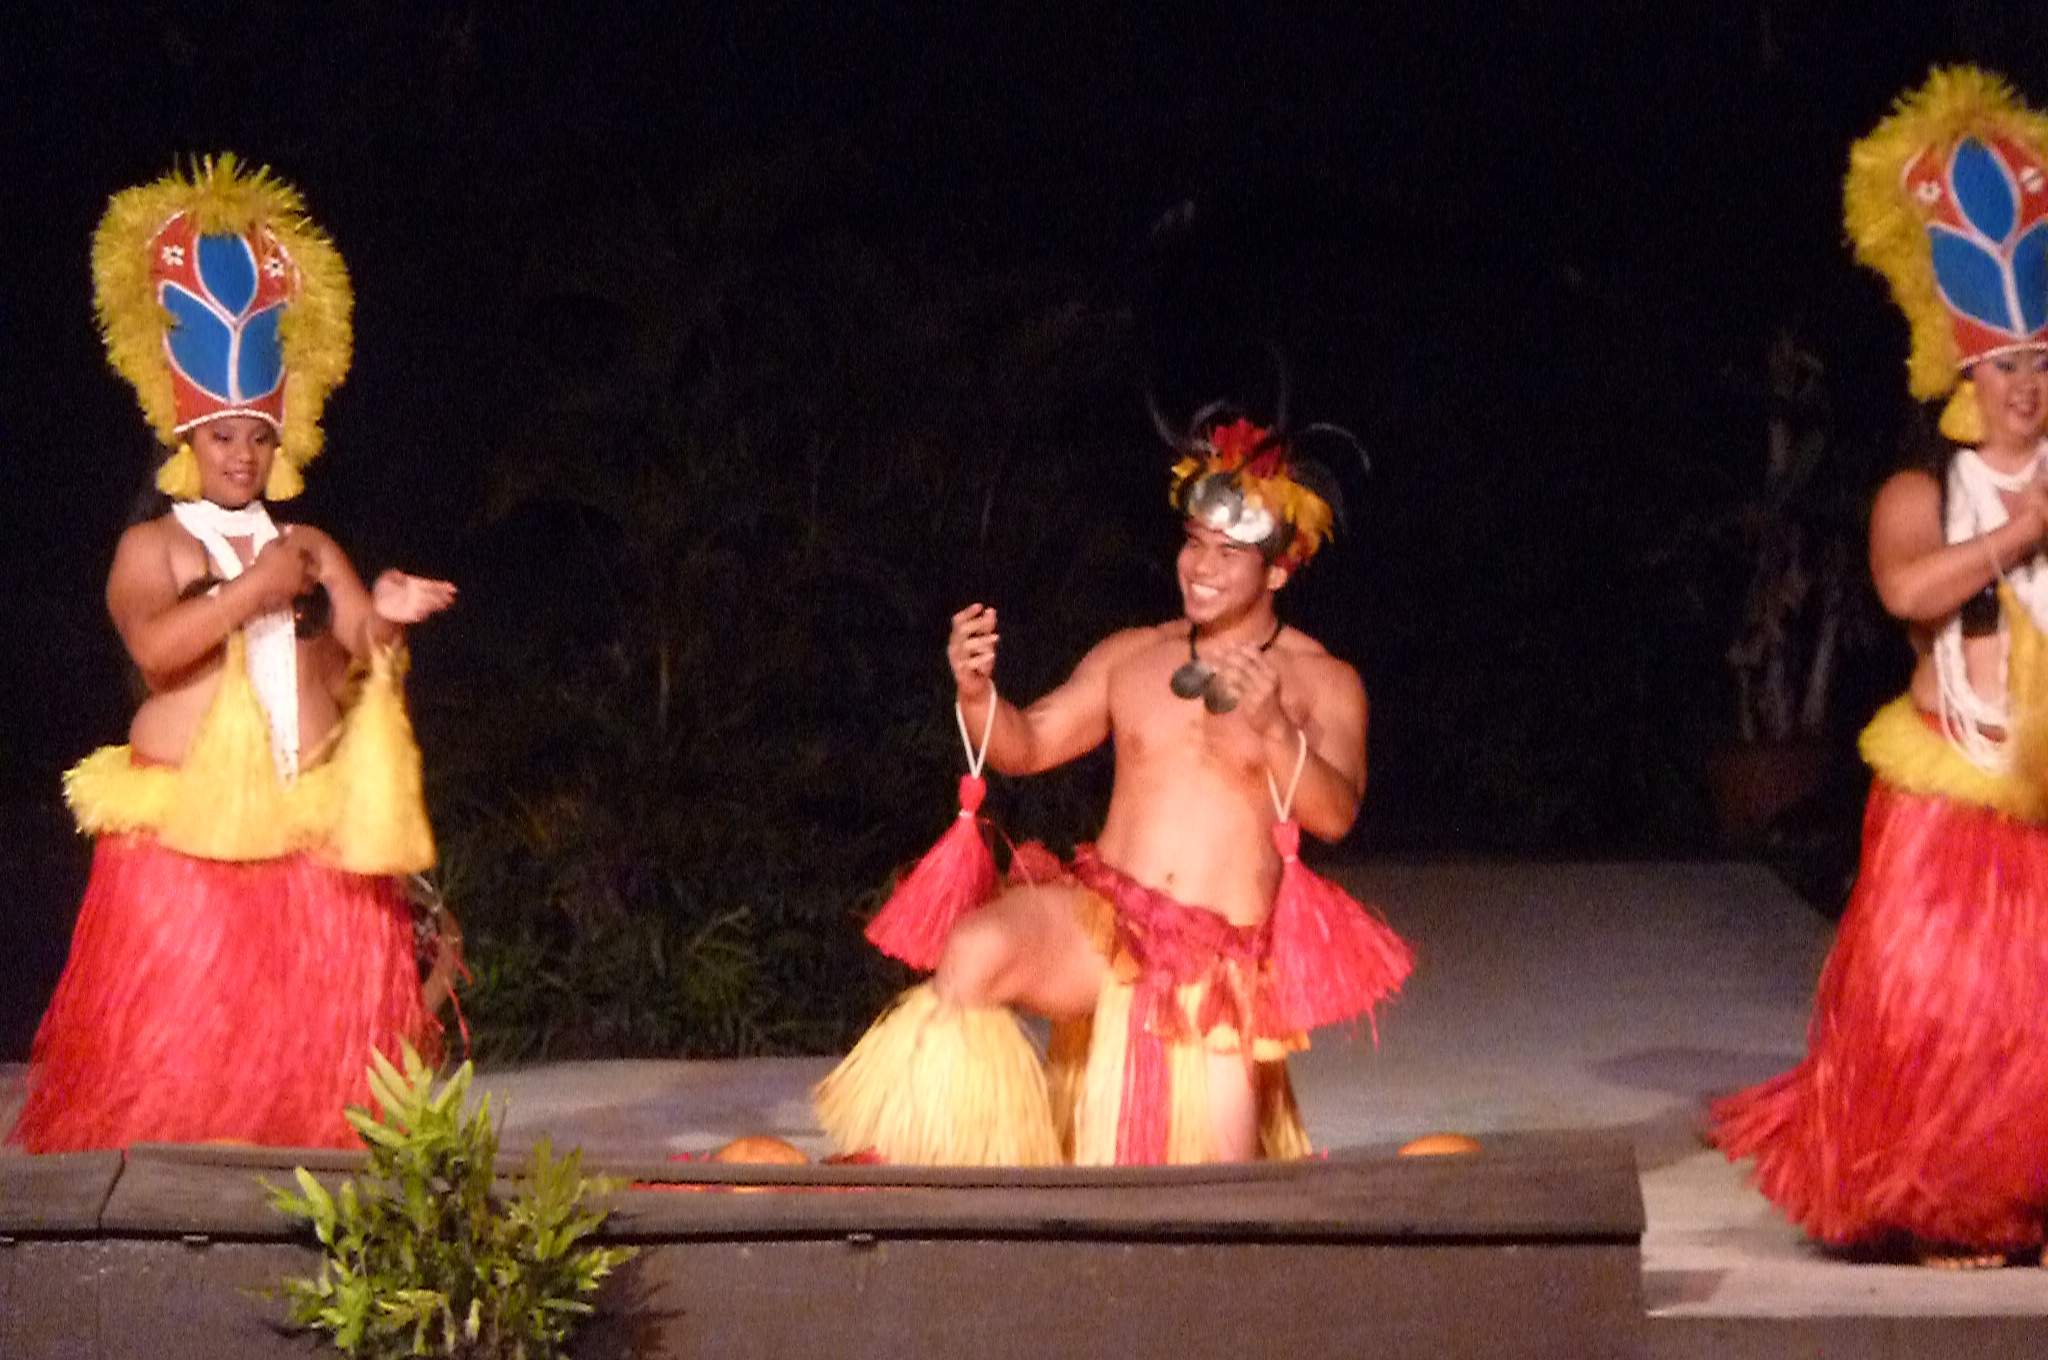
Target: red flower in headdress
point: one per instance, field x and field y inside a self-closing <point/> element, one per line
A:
<point x="1237" y="447"/>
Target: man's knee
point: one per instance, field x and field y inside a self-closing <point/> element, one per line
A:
<point x="978" y="957"/>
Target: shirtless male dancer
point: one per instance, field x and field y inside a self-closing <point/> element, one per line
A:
<point x="1215" y="716"/>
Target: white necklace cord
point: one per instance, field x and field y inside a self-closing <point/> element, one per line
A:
<point x="1283" y="808"/>
<point x="273" y="650"/>
<point x="976" y="758"/>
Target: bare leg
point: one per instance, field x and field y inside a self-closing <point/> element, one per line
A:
<point x="1026" y="948"/>
<point x="1233" y="1108"/>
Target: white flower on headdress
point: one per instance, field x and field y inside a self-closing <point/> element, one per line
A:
<point x="2030" y="179"/>
<point x="1929" y="191"/>
<point x="174" y="256"/>
<point x="274" y="266"/>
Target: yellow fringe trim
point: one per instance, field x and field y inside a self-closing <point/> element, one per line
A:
<point x="1282" y="1136"/>
<point x="1885" y="225"/>
<point x="936" y="1085"/>
<point x="1095" y="1077"/>
<point x="1909" y="754"/>
<point x="380" y="821"/>
<point x="1066" y="1064"/>
<point x="1099" y="1103"/>
<point x="315" y="331"/>
<point x="363" y="810"/>
<point x="231" y="803"/>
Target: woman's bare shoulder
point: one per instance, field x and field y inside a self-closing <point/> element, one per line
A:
<point x="151" y="542"/>
<point x="1909" y="488"/>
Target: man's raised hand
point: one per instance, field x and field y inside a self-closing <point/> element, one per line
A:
<point x="971" y="650"/>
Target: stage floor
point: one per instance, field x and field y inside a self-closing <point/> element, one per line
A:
<point x="1546" y="997"/>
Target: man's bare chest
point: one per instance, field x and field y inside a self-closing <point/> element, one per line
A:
<point x="1152" y="723"/>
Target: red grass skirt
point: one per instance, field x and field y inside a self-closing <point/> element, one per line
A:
<point x="213" y="1002"/>
<point x="1921" y="1110"/>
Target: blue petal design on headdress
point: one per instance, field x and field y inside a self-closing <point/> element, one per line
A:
<point x="1983" y="189"/>
<point x="259" y="366"/>
<point x="201" y="344"/>
<point x="1972" y="279"/>
<point x="2030" y="276"/>
<point x="228" y="269"/>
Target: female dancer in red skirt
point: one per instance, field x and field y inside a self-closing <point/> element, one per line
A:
<point x="244" y="945"/>
<point x="1919" y="1118"/>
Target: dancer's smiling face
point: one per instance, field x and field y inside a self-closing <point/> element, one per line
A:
<point x="1222" y="580"/>
<point x="2012" y="395"/>
<point x="234" y="454"/>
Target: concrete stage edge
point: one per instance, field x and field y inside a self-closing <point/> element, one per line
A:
<point x="1574" y="1017"/>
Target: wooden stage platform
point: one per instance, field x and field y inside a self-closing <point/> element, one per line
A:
<point x="1573" y="1018"/>
<point x="1530" y="1250"/>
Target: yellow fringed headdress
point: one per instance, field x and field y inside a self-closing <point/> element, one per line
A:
<point x="1948" y="199"/>
<point x="218" y="296"/>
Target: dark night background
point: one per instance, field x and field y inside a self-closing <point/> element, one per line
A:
<point x="719" y="351"/>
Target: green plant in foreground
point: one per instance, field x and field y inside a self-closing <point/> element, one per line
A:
<point x="425" y="1256"/>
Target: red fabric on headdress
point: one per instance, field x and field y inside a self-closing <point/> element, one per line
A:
<point x="175" y="264"/>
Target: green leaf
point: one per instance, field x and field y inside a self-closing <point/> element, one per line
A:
<point x="423" y="1256"/>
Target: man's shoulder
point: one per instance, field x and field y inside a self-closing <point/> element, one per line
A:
<point x="1299" y="647"/>
<point x="1127" y="641"/>
<point x="1316" y="661"/>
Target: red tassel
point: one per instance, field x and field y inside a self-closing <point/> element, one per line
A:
<point x="955" y="876"/>
<point x="1331" y="959"/>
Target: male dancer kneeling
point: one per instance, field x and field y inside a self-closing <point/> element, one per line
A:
<point x="1184" y="954"/>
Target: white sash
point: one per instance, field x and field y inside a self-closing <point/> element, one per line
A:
<point x="272" y="642"/>
<point x="1975" y="508"/>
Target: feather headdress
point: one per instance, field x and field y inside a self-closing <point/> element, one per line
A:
<point x="1948" y="199"/>
<point x="218" y="296"/>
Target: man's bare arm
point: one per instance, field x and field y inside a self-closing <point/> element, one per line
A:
<point x="1067" y="722"/>
<point x="1327" y="738"/>
<point x="1333" y="773"/>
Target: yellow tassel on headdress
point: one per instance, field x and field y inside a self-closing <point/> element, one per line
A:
<point x="1886" y="228"/>
<point x="1962" y="420"/>
<point x="314" y="332"/>
<point x="178" y="476"/>
<point x="284" y="481"/>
